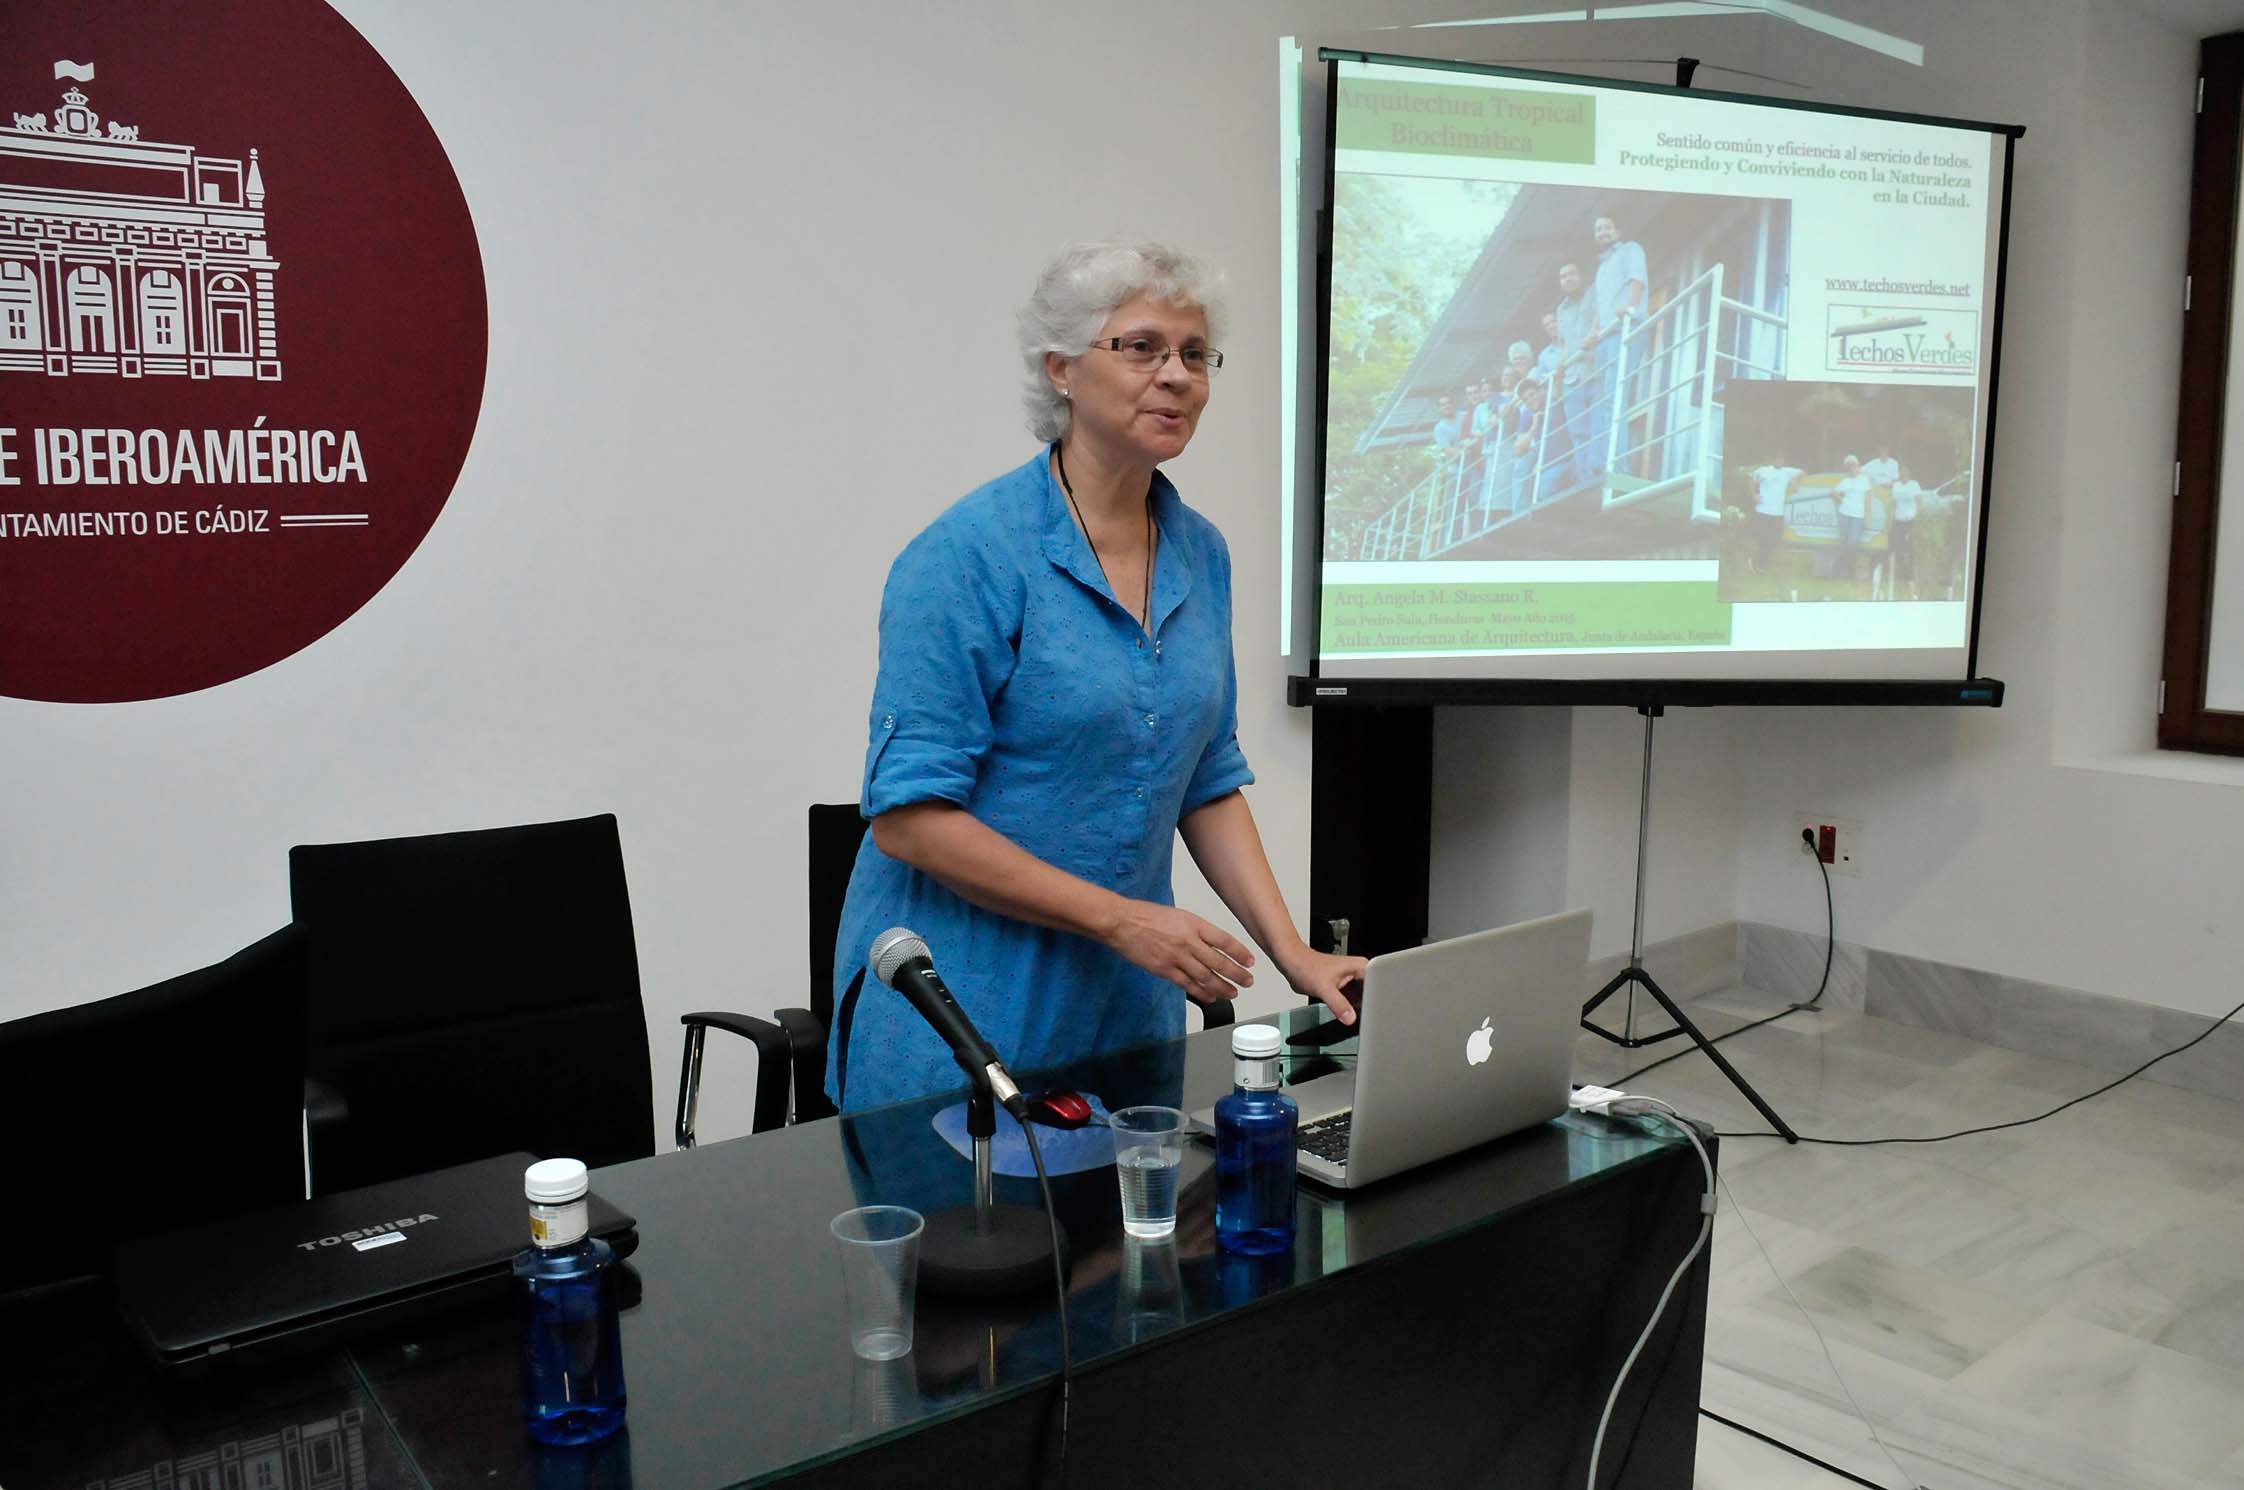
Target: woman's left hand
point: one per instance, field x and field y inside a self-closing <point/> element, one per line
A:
<point x="1328" y="977"/>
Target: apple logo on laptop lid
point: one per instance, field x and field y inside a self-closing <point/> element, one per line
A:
<point x="1480" y="1044"/>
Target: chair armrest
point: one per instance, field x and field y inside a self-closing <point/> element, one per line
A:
<point x="762" y="1031"/>
<point x="325" y="1108"/>
<point x="327" y="1113"/>
<point x="808" y="1063"/>
<point x="773" y="1063"/>
<point x="1214" y="1013"/>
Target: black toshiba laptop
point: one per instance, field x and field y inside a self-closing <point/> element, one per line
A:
<point x="302" y="1276"/>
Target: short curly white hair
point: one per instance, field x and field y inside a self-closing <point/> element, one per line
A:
<point x="1080" y="288"/>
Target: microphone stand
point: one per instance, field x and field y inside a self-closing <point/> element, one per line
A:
<point x="981" y="1126"/>
<point x="986" y="1250"/>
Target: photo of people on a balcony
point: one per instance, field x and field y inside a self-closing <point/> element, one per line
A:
<point x="1846" y="491"/>
<point x="1528" y="371"/>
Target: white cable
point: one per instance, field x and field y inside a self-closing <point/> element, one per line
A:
<point x="1626" y="1104"/>
<point x="1623" y="1106"/>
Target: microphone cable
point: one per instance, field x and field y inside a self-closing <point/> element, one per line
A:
<point x="1055" y="1446"/>
<point x="893" y="950"/>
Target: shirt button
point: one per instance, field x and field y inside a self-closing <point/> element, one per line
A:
<point x="1140" y="792"/>
<point x="1149" y="719"/>
<point x="889" y="722"/>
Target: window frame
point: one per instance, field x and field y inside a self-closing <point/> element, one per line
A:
<point x="2184" y="723"/>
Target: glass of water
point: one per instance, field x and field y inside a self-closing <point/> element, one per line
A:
<point x="1148" y="1151"/>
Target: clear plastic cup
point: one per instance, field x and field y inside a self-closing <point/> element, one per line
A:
<point x="880" y="1276"/>
<point x="882" y="1395"/>
<point x="1148" y="1152"/>
<point x="1149" y="1302"/>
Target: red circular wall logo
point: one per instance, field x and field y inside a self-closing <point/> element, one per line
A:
<point x="242" y="337"/>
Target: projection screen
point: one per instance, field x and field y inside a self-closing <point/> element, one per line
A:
<point x="1624" y="382"/>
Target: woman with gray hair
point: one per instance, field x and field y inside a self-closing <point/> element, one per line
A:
<point x="1056" y="702"/>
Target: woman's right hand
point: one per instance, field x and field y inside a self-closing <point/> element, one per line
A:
<point x="1196" y="955"/>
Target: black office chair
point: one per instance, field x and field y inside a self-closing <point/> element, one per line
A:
<point x="163" y="1108"/>
<point x="476" y="993"/>
<point x="836" y="833"/>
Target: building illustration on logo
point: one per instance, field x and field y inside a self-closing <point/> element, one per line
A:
<point x="132" y="257"/>
<point x="327" y="1453"/>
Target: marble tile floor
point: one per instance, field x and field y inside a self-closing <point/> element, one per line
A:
<point x="2056" y="1307"/>
<point x="1730" y="1460"/>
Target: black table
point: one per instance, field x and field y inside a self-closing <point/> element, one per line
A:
<point x="1460" y="1325"/>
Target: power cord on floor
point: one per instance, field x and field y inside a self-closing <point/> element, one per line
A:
<point x="1617" y="1102"/>
<point x="2019" y="1122"/>
<point x="1830" y="947"/>
<point x="1906" y="1478"/>
<point x="1777" y="1443"/>
<point x="1626" y="1104"/>
<point x="1813" y="1000"/>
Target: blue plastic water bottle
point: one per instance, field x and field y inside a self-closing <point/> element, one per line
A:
<point x="572" y="1358"/>
<point x="1255" y="1150"/>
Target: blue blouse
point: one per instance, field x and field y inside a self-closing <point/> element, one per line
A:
<point x="1013" y="683"/>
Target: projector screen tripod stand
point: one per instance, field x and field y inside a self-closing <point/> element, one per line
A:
<point x="1635" y="976"/>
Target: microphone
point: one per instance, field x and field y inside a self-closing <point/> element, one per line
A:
<point x="901" y="960"/>
<point x="985" y="1250"/>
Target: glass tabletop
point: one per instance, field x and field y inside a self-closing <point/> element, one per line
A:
<point x="735" y="1341"/>
<point x="737" y="1351"/>
<point x="80" y="1409"/>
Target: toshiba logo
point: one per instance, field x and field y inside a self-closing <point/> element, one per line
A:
<point x="346" y="1238"/>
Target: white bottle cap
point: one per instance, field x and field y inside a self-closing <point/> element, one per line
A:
<point x="1254" y="1042"/>
<point x="555" y="1181"/>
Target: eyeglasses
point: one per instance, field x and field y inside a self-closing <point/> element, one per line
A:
<point x="1144" y="354"/>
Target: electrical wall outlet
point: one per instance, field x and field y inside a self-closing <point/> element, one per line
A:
<point x="1838" y="840"/>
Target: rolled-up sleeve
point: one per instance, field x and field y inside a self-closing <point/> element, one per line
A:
<point x="947" y="645"/>
<point x="1222" y="767"/>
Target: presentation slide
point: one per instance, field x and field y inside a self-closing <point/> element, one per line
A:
<point x="1630" y="383"/>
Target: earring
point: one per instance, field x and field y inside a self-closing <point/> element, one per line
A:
<point x="1067" y="393"/>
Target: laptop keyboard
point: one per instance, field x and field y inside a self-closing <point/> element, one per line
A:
<point x="1326" y="1138"/>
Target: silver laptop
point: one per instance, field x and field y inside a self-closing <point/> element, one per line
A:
<point x="1463" y="1041"/>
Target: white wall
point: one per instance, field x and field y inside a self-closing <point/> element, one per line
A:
<point x="2047" y="840"/>
<point x="719" y="238"/>
<point x="752" y="272"/>
<point x="1691" y="860"/>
